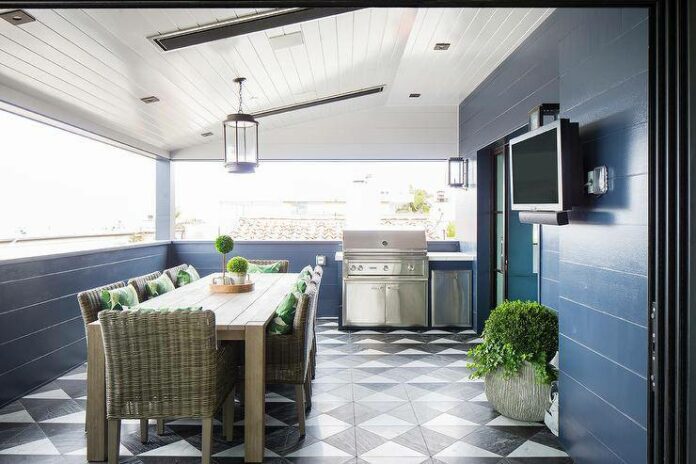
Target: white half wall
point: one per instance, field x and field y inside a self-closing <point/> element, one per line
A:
<point x="382" y="133"/>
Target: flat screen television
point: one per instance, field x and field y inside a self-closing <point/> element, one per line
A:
<point x="544" y="168"/>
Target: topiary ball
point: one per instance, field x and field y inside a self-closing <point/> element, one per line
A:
<point x="238" y="264"/>
<point x="224" y="244"/>
<point x="527" y="326"/>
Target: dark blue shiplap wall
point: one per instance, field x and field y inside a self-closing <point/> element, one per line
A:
<point x="41" y="330"/>
<point x="202" y="255"/>
<point x="593" y="271"/>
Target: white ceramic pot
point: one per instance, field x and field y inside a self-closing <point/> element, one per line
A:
<point x="239" y="278"/>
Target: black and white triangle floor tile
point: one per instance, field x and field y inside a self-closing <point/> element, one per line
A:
<point x="396" y="396"/>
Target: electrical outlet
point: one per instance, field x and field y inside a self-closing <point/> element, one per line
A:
<point x="321" y="260"/>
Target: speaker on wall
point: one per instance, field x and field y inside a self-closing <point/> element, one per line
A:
<point x="551" y="218"/>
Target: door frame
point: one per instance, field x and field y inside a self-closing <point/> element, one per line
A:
<point x="494" y="152"/>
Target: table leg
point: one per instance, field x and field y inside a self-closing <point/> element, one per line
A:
<point x="96" y="395"/>
<point x="254" y="392"/>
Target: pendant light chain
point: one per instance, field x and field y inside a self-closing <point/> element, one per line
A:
<point x="240" y="96"/>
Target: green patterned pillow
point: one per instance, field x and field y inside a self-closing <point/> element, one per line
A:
<point x="159" y="286"/>
<point x="186" y="276"/>
<point x="281" y="324"/>
<point x="119" y="298"/>
<point x="306" y="272"/>
<point x="272" y="268"/>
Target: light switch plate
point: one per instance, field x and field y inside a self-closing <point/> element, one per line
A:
<point x="321" y="260"/>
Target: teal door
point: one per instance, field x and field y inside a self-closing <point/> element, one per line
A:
<point x="515" y="269"/>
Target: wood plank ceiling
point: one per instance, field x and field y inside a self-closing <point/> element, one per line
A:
<point x="99" y="63"/>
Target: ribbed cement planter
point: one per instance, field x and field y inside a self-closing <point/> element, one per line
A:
<point x="519" y="397"/>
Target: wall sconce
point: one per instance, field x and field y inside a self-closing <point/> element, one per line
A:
<point x="458" y="172"/>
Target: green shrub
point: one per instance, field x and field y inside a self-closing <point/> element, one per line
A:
<point x="224" y="244"/>
<point x="238" y="265"/>
<point x="517" y="331"/>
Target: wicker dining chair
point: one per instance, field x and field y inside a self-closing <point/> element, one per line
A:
<point x="316" y="278"/>
<point x="166" y="364"/>
<point x="140" y="284"/>
<point x="284" y="263"/>
<point x="288" y="356"/>
<point x="173" y="272"/>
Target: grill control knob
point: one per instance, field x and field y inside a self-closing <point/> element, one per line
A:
<point x="386" y="267"/>
<point x="411" y="268"/>
<point x="352" y="268"/>
<point x="360" y="268"/>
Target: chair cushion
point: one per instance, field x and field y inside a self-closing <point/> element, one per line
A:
<point x="281" y="324"/>
<point x="159" y="286"/>
<point x="186" y="276"/>
<point x="272" y="268"/>
<point x="119" y="298"/>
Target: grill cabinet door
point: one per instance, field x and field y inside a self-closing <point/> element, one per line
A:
<point x="406" y="303"/>
<point x="364" y="304"/>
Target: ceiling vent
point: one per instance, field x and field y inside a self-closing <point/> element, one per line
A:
<point x="321" y="101"/>
<point x="413" y="95"/>
<point x="17" y="17"/>
<point x="243" y="25"/>
<point x="281" y="42"/>
<point x="151" y="99"/>
<point x="441" y="46"/>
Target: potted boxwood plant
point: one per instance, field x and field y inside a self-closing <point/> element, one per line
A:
<point x="224" y="244"/>
<point x="238" y="266"/>
<point x="519" y="339"/>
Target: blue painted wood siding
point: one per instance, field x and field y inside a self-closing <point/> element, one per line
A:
<point x="593" y="271"/>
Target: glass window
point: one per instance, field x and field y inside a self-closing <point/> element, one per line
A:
<point x="64" y="192"/>
<point x="311" y="200"/>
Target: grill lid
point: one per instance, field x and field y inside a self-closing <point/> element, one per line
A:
<point x="385" y="240"/>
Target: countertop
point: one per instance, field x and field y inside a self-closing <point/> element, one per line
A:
<point x="434" y="256"/>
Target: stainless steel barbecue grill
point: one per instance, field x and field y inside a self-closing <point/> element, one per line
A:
<point x="385" y="278"/>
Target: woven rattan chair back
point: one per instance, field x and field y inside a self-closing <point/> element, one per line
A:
<point x="173" y="272"/>
<point x="140" y="284"/>
<point x="90" y="302"/>
<point x="161" y="364"/>
<point x="284" y="263"/>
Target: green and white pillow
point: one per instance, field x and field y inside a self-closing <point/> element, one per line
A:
<point x="186" y="276"/>
<point x="307" y="271"/>
<point x="159" y="286"/>
<point x="119" y="298"/>
<point x="272" y="268"/>
<point x="281" y="324"/>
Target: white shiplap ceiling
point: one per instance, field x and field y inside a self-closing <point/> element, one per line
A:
<point x="97" y="64"/>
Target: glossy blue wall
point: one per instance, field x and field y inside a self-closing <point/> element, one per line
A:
<point x="41" y="329"/>
<point x="593" y="271"/>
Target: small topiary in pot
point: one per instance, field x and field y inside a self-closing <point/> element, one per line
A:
<point x="519" y="339"/>
<point x="224" y="244"/>
<point x="238" y="266"/>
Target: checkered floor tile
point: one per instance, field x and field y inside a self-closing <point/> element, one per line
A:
<point x="379" y="397"/>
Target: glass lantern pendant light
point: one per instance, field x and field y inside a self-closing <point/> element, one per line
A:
<point x="241" y="132"/>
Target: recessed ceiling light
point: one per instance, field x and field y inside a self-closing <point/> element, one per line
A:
<point x="17" y="17"/>
<point x="413" y="95"/>
<point x="206" y="134"/>
<point x="441" y="46"/>
<point x="150" y="99"/>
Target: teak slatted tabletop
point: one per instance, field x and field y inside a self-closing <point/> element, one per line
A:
<point x="238" y="316"/>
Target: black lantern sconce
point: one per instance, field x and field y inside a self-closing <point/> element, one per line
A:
<point x="458" y="172"/>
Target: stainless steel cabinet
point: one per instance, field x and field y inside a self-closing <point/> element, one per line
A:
<point x="364" y="303"/>
<point x="450" y="298"/>
<point x="382" y="303"/>
<point x="406" y="303"/>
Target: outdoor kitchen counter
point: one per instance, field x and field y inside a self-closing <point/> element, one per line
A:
<point x="433" y="256"/>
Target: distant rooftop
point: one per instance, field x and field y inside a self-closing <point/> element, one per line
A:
<point x="315" y="228"/>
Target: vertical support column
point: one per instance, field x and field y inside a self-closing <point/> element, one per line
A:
<point x="164" y="205"/>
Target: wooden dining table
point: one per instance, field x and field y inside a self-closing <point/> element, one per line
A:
<point x="238" y="316"/>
